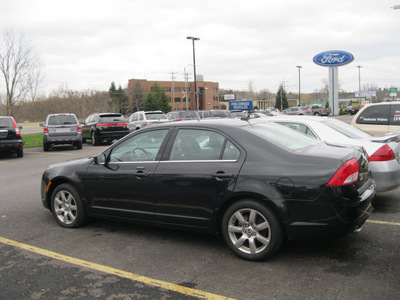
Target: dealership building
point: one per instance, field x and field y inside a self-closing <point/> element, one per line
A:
<point x="181" y="93"/>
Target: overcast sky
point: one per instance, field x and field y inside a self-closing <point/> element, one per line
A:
<point x="88" y="44"/>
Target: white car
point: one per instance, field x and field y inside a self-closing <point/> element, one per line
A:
<point x="141" y="119"/>
<point x="383" y="151"/>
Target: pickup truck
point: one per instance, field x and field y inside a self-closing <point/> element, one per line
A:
<point x="318" y="110"/>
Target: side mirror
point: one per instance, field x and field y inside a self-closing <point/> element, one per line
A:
<point x="100" y="159"/>
<point x="41" y="125"/>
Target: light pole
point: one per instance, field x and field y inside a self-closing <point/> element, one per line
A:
<point x="299" y="85"/>
<point x="359" y="83"/>
<point x="194" y="70"/>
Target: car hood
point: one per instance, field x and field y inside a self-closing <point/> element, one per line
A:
<point x="73" y="163"/>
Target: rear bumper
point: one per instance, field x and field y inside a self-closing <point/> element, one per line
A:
<point x="10" y="145"/>
<point x="111" y="135"/>
<point x="341" y="218"/>
<point x="66" y="139"/>
<point x="386" y="175"/>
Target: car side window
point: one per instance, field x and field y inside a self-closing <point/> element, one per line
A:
<point x="191" y="144"/>
<point x="140" y="147"/>
<point x="375" y="114"/>
<point x="394" y="114"/>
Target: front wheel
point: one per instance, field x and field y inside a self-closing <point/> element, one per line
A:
<point x="252" y="230"/>
<point x="67" y="207"/>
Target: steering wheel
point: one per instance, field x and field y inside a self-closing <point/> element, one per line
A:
<point x="144" y="153"/>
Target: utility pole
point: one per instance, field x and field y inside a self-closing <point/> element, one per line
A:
<point x="173" y="87"/>
<point x="359" y="84"/>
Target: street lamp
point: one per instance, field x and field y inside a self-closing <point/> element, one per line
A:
<point x="299" y="84"/>
<point x="194" y="71"/>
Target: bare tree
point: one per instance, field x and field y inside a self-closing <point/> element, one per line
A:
<point x="18" y="64"/>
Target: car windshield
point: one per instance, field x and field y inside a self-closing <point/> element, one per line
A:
<point x="346" y="129"/>
<point x="155" y="116"/>
<point x="220" y="114"/>
<point x="188" y="114"/>
<point x="62" y="120"/>
<point x="282" y="135"/>
<point x="5" y="123"/>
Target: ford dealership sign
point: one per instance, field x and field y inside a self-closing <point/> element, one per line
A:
<point x="333" y="58"/>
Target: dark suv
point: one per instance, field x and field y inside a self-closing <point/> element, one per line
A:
<point x="10" y="136"/>
<point x="101" y="127"/>
<point x="62" y="128"/>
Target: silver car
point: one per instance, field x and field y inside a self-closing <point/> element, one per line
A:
<point x="62" y="128"/>
<point x="383" y="151"/>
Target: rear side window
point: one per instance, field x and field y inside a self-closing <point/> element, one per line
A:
<point x="394" y="114"/>
<point x="62" y="120"/>
<point x="375" y="115"/>
<point x="193" y="144"/>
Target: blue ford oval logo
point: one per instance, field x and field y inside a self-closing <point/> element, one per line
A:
<point x="333" y="58"/>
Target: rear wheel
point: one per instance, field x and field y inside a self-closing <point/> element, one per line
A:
<point x="78" y="145"/>
<point x="20" y="152"/>
<point x="66" y="206"/>
<point x="46" y="147"/>
<point x="95" y="142"/>
<point x="252" y="230"/>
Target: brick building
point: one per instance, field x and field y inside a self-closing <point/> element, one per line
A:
<point x="207" y="97"/>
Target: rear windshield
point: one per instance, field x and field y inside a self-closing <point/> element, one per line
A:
<point x="111" y="119"/>
<point x="155" y="116"/>
<point x="62" y="120"/>
<point x="6" y="123"/>
<point x="346" y="129"/>
<point x="282" y="135"/>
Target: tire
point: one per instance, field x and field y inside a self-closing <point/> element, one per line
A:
<point x="20" y="152"/>
<point x="45" y="147"/>
<point x="94" y="139"/>
<point x="316" y="114"/>
<point x="79" y="145"/>
<point x="66" y="206"/>
<point x="252" y="230"/>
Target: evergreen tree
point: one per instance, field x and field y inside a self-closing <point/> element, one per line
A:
<point x="119" y="100"/>
<point x="281" y="102"/>
<point x="157" y="100"/>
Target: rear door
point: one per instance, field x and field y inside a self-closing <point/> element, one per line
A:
<point x="197" y="172"/>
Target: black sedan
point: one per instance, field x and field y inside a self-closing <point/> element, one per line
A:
<point x="352" y="109"/>
<point x="255" y="183"/>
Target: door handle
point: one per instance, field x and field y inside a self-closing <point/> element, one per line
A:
<point x="222" y="175"/>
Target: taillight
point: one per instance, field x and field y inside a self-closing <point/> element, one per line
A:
<point x="17" y="132"/>
<point x="384" y="153"/>
<point x="79" y="128"/>
<point x="112" y="125"/>
<point x="45" y="129"/>
<point x="347" y="174"/>
<point x="144" y="124"/>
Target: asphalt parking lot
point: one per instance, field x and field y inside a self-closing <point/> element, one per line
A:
<point x="113" y="260"/>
